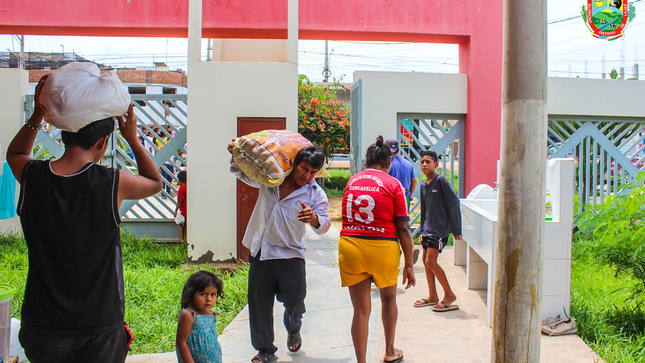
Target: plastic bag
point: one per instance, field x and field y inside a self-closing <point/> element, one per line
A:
<point x="77" y="94"/>
<point x="266" y="156"/>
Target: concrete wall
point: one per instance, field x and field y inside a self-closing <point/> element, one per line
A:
<point x="249" y="50"/>
<point x="385" y="94"/>
<point x="15" y="84"/>
<point x="596" y="97"/>
<point x="218" y="94"/>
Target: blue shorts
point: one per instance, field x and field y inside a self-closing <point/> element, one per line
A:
<point x="434" y="242"/>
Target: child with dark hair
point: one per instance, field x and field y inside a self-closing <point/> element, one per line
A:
<point x="196" y="330"/>
<point x="440" y="216"/>
<point x="180" y="210"/>
<point x="69" y="211"/>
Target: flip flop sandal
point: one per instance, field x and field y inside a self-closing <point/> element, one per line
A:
<point x="422" y="303"/>
<point x="263" y="358"/>
<point x="397" y="359"/>
<point x="442" y="306"/>
<point x="294" y="339"/>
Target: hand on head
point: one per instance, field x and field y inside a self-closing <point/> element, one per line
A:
<point x="128" y="125"/>
<point x="38" y="107"/>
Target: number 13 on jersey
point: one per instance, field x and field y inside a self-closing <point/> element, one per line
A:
<point x="365" y="210"/>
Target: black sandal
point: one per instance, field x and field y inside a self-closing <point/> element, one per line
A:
<point x="263" y="358"/>
<point x="292" y="340"/>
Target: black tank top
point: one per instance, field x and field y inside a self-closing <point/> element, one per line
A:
<point x="71" y="225"/>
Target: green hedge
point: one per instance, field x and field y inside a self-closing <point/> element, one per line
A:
<point x="336" y="182"/>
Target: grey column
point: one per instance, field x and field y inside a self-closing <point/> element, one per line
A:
<point x="518" y="260"/>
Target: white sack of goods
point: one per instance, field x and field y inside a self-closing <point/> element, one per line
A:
<point x="267" y="156"/>
<point x="78" y="94"/>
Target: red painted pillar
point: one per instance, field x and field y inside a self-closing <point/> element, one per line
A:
<point x="480" y="58"/>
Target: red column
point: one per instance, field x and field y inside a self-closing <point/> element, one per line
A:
<point x="481" y="59"/>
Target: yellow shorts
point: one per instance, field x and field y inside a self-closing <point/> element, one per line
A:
<point x="360" y="258"/>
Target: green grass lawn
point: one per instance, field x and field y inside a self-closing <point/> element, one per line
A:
<point x="610" y="324"/>
<point x="339" y="173"/>
<point x="334" y="185"/>
<point x="154" y="277"/>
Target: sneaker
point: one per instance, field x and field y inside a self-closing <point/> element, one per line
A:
<point x="562" y="327"/>
<point x="551" y="320"/>
<point x="415" y="256"/>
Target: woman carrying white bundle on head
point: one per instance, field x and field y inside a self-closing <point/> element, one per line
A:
<point x="73" y="307"/>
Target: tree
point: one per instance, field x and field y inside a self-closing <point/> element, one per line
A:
<point x="321" y="118"/>
<point x="613" y="74"/>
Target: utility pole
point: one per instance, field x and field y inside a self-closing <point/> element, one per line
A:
<point x="622" y="57"/>
<point x="22" y="51"/>
<point x="635" y="72"/>
<point x="586" y="74"/>
<point x="518" y="258"/>
<point x="326" y="72"/>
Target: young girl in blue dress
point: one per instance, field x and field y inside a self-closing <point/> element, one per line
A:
<point x="196" y="332"/>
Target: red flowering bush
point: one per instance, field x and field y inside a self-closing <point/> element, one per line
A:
<point x="321" y="118"/>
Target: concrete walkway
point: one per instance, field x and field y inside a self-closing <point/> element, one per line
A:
<point x="423" y="335"/>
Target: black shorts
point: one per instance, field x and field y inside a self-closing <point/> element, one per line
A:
<point x="109" y="346"/>
<point x="434" y="242"/>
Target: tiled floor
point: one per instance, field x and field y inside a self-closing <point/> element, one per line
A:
<point x="424" y="336"/>
<point x="463" y="335"/>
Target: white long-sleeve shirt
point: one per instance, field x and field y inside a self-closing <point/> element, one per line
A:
<point x="274" y="227"/>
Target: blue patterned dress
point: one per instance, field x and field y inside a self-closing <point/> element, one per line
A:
<point x="202" y="341"/>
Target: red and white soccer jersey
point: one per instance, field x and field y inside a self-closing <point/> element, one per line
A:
<point x="373" y="200"/>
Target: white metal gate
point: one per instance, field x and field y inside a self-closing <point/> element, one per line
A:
<point x="609" y="152"/>
<point x="161" y="126"/>
<point x="443" y="134"/>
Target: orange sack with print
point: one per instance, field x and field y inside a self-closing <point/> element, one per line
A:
<point x="267" y="156"/>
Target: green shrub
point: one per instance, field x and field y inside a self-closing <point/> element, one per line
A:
<point x="336" y="182"/>
<point x="606" y="321"/>
<point x="617" y="230"/>
<point x="334" y="192"/>
<point x="13" y="267"/>
<point x="334" y="185"/>
<point x="608" y="283"/>
<point x="628" y="320"/>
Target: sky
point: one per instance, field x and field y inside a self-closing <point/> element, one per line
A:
<point x="572" y="51"/>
